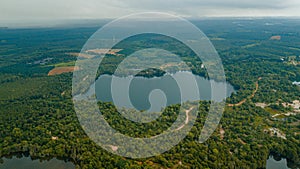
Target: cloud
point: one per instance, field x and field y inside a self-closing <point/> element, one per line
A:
<point x="207" y="3"/>
<point x="221" y="7"/>
<point x="94" y="9"/>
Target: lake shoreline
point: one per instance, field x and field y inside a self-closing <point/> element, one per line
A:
<point x="26" y="154"/>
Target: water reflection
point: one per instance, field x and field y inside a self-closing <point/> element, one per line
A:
<point x="140" y="89"/>
<point x="28" y="163"/>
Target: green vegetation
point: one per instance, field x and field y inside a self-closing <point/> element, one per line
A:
<point x="37" y="115"/>
<point x="72" y="63"/>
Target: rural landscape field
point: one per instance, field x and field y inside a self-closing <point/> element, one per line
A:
<point x="260" y="127"/>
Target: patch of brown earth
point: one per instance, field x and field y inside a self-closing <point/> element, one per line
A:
<point x="277" y="37"/>
<point x="105" y="51"/>
<point x="81" y="55"/>
<point x="241" y="141"/>
<point x="61" y="70"/>
<point x="222" y="133"/>
<point x="262" y="105"/>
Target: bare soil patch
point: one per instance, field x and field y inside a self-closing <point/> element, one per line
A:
<point x="82" y="55"/>
<point x="61" y="70"/>
<point x="277" y="37"/>
<point x="105" y="51"/>
<point x="222" y="133"/>
<point x="262" y="105"/>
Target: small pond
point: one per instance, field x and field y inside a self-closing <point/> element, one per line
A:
<point x="28" y="163"/>
<point x="273" y="163"/>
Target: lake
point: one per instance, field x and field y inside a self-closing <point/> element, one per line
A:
<point x="153" y="94"/>
<point x="28" y="163"/>
<point x="274" y="164"/>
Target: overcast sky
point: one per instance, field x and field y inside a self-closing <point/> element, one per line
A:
<point x="27" y="10"/>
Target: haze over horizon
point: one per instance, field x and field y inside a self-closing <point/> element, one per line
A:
<point x="35" y="12"/>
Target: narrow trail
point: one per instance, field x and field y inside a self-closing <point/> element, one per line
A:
<point x="248" y="98"/>
<point x="186" y="120"/>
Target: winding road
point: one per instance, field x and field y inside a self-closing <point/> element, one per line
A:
<point x="250" y="97"/>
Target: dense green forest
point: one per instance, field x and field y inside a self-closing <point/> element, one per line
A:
<point x="37" y="117"/>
